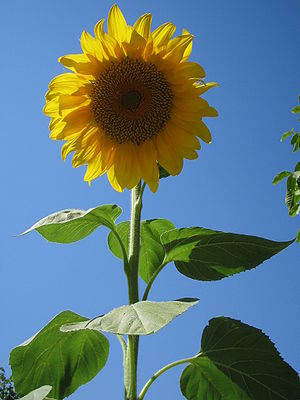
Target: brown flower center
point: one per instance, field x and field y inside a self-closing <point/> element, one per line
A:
<point x="131" y="101"/>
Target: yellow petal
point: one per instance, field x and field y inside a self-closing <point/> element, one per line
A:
<point x="116" y="25"/>
<point x="57" y="129"/>
<point x="196" y="127"/>
<point x="202" y="88"/>
<point x="111" y="47"/>
<point x="73" y="122"/>
<point x="68" y="83"/>
<point x="177" y="47"/>
<point x="94" y="169"/>
<point x="167" y="157"/>
<point x="51" y="107"/>
<point x="127" y="170"/>
<point x="136" y="47"/>
<point x="203" y="131"/>
<point x="143" y="26"/>
<point x="148" y="50"/>
<point x="81" y="63"/>
<point x="191" y="70"/>
<point x="184" y="144"/>
<point x="163" y="34"/>
<point x="188" y="50"/>
<point x="147" y="156"/>
<point x="183" y="137"/>
<point x="113" y="180"/>
<point x="67" y="102"/>
<point x="92" y="46"/>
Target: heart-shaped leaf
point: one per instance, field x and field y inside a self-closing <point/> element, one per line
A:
<point x="141" y="318"/>
<point x="68" y="226"/>
<point x="208" y="255"/>
<point x="238" y="362"/>
<point x="63" y="360"/>
<point x="152" y="252"/>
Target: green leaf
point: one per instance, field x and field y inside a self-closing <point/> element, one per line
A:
<point x="63" y="360"/>
<point x="141" y="318"/>
<point x="287" y="134"/>
<point x="296" y="110"/>
<point x="297" y="167"/>
<point x="279" y="177"/>
<point x="298" y="236"/>
<point x="68" y="226"/>
<point x="152" y="251"/>
<point x="163" y="173"/>
<point x="296" y="142"/>
<point x="207" y="255"/>
<point x="123" y="231"/>
<point x="38" y="394"/>
<point x="202" y="380"/>
<point x="238" y="361"/>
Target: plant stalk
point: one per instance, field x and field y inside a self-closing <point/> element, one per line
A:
<point x="133" y="288"/>
<point x="161" y="371"/>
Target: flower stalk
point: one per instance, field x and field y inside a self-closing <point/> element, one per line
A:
<point x="133" y="288"/>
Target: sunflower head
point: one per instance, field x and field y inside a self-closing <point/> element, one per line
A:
<point x="131" y="102"/>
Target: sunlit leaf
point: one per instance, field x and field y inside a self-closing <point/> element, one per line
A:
<point x="141" y="318"/>
<point x="63" y="360"/>
<point x="287" y="134"/>
<point x="296" y="142"/>
<point x="279" y="177"/>
<point x="68" y="226"/>
<point x="38" y="394"/>
<point x="238" y="362"/>
<point x="204" y="254"/>
<point x="296" y="110"/>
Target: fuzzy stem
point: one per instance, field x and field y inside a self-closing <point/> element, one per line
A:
<point x="161" y="371"/>
<point x="133" y="289"/>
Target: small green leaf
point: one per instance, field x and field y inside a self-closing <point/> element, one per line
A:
<point x="287" y="134"/>
<point x="152" y="251"/>
<point x="68" y="226"/>
<point x="141" y="318"/>
<point x="298" y="236"/>
<point x="163" y="173"/>
<point x="238" y="362"/>
<point x="63" y="360"/>
<point x="294" y="210"/>
<point x="296" y="110"/>
<point x="38" y="394"/>
<point x="296" y="142"/>
<point x="207" y="255"/>
<point x="297" y="167"/>
<point x="279" y="177"/>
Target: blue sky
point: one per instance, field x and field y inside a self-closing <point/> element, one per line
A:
<point x="252" y="49"/>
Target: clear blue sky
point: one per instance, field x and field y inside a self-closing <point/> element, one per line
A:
<point x="252" y="49"/>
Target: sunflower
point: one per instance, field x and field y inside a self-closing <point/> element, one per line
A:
<point x="130" y="103"/>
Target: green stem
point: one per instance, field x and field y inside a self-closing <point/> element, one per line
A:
<point x="133" y="288"/>
<point x="147" y="290"/>
<point x="161" y="371"/>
